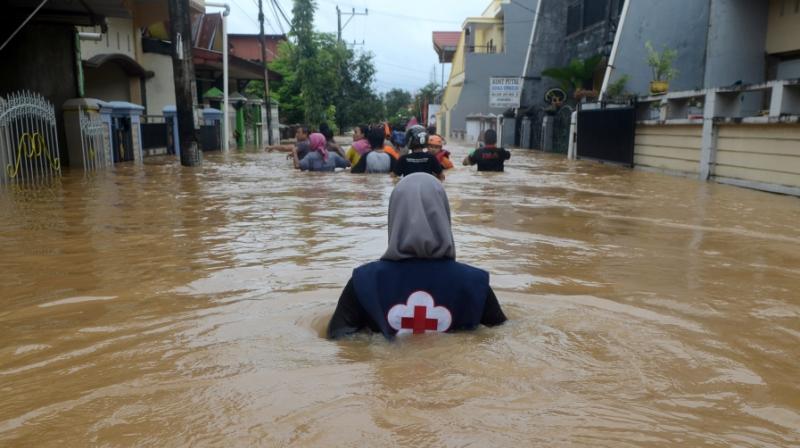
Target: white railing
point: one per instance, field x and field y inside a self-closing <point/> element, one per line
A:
<point x="769" y="102"/>
<point x="95" y="145"/>
<point x="28" y="139"/>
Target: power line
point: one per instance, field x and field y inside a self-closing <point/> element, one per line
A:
<point x="283" y="14"/>
<point x="246" y="14"/>
<point x="392" y="14"/>
<point x="277" y="18"/>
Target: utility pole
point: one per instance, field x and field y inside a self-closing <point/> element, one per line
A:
<point x="267" y="100"/>
<point x="185" y="90"/>
<point x="352" y="14"/>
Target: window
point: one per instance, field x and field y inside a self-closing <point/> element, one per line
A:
<point x="573" y="19"/>
<point x="594" y="11"/>
<point x="617" y="9"/>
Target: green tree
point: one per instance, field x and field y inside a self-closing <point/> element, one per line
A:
<point x="426" y="95"/>
<point x="307" y="70"/>
<point x="397" y="103"/>
<point x="322" y="79"/>
<point x="357" y="102"/>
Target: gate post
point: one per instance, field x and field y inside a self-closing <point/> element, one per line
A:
<point x="708" y="147"/>
<point x="547" y="133"/>
<point x="572" y="152"/>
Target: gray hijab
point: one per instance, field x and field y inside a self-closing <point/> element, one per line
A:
<point x="419" y="220"/>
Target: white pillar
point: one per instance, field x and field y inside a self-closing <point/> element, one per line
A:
<point x="572" y="152"/>
<point x="225" y="139"/>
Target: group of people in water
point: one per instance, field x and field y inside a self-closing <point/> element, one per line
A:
<point x="378" y="149"/>
<point x="417" y="286"/>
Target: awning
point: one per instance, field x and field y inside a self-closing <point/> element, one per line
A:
<point x="130" y="66"/>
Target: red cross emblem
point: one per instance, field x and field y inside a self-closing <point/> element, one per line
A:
<point x="419" y="315"/>
<point x="420" y="322"/>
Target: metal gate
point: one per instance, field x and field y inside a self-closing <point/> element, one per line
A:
<point x="561" y="124"/>
<point x="607" y="132"/>
<point x="28" y="138"/>
<point x="123" y="139"/>
<point x="95" y="146"/>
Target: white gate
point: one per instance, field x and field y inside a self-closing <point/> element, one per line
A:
<point x="95" y="145"/>
<point x="28" y="139"/>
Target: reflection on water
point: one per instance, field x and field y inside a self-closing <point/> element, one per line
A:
<point x="166" y="306"/>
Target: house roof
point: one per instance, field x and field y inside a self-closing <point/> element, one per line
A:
<point x="444" y="39"/>
<point x="205" y="30"/>
<point x="445" y="44"/>
<point x="239" y="68"/>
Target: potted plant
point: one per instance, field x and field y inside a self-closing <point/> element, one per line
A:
<point x="616" y="91"/>
<point x="661" y="65"/>
<point x="576" y="76"/>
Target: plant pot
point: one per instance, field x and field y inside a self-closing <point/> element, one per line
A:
<point x="659" y="87"/>
<point x="581" y="94"/>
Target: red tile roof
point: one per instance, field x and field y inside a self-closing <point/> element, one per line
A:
<point x="446" y="39"/>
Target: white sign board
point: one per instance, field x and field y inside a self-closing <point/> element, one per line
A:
<point x="505" y="93"/>
<point x="433" y="109"/>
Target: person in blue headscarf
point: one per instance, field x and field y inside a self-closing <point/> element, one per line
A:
<point x="417" y="286"/>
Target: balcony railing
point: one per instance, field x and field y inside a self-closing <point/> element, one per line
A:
<point x="484" y="49"/>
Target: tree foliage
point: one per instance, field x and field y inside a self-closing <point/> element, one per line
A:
<point x="398" y="104"/>
<point x="322" y="79"/>
<point x="427" y="95"/>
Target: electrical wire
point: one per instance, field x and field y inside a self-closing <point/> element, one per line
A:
<point x="283" y="14"/>
<point x="277" y="18"/>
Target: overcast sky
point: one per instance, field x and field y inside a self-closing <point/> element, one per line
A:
<point x="397" y="32"/>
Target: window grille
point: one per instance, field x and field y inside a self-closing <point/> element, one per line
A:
<point x="594" y="11"/>
<point x="573" y="19"/>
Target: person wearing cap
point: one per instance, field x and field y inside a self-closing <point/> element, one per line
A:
<point x="418" y="161"/>
<point x="417" y="286"/>
<point x="435" y="147"/>
<point x="489" y="157"/>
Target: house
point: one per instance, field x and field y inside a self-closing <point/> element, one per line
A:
<point x="490" y="45"/>
<point x="732" y="113"/>
<point x="44" y="53"/>
<point x="563" y="31"/>
<point x="248" y="46"/>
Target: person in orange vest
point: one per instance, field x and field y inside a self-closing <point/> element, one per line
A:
<point x="436" y="147"/>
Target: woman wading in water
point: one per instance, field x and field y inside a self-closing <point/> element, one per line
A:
<point x="417" y="286"/>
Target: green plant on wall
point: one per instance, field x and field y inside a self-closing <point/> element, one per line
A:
<point x="661" y="63"/>
<point x="617" y="88"/>
<point x="576" y="75"/>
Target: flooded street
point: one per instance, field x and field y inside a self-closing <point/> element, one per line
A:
<point x="158" y="305"/>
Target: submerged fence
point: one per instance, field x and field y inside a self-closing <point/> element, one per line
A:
<point x="95" y="145"/>
<point x="28" y="139"/>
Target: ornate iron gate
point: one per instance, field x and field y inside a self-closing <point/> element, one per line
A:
<point x="28" y="138"/>
<point x="561" y="125"/>
<point x="95" y="147"/>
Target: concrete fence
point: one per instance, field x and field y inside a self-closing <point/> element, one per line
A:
<point x="715" y="135"/>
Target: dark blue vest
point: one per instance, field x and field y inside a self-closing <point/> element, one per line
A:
<point x="418" y="296"/>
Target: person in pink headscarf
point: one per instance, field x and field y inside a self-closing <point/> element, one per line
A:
<point x="318" y="158"/>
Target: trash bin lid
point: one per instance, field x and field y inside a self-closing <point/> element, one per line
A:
<point x="125" y="108"/>
<point x="83" y="104"/>
<point x="210" y="112"/>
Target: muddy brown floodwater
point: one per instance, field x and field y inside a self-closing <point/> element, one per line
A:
<point x="162" y="306"/>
